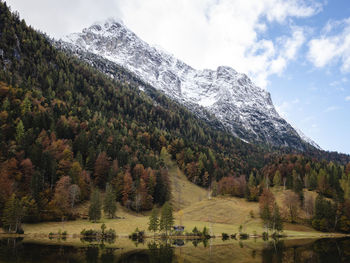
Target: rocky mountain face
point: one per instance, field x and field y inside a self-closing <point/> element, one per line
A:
<point x="239" y="105"/>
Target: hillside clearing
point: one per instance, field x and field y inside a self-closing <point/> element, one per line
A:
<point x="192" y="208"/>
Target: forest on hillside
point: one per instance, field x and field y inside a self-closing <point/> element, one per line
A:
<point x="66" y="129"/>
<point x="60" y="117"/>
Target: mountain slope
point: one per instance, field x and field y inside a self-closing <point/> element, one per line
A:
<point x="64" y="122"/>
<point x="241" y="107"/>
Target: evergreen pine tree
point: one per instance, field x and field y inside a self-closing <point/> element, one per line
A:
<point x="166" y="218"/>
<point x="277" y="219"/>
<point x="153" y="221"/>
<point x="109" y="204"/>
<point x="266" y="217"/>
<point x="19" y="132"/>
<point x="13" y="214"/>
<point x="95" y="206"/>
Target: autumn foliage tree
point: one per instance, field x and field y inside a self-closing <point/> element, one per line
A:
<point x="62" y="199"/>
<point x="101" y="169"/>
<point x="266" y="207"/>
<point x="127" y="189"/>
<point x="60" y="117"/>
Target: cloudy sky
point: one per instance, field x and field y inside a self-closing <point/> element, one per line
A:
<point x="299" y="50"/>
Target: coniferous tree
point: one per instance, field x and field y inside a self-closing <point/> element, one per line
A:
<point x="109" y="204"/>
<point x="19" y="132"/>
<point x="69" y="119"/>
<point x="265" y="215"/>
<point x="166" y="218"/>
<point x="95" y="206"/>
<point x="277" y="224"/>
<point x="153" y="223"/>
<point x="14" y="212"/>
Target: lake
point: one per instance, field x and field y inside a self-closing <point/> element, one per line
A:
<point x="74" y="250"/>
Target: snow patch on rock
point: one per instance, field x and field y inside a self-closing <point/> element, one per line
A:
<point x="242" y="107"/>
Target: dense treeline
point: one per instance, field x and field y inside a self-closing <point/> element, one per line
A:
<point x="299" y="176"/>
<point x="66" y="128"/>
<point x="329" y="211"/>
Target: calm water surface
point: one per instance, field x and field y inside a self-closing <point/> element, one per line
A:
<point x="122" y="250"/>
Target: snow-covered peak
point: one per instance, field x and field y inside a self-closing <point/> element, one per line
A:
<point x="243" y="108"/>
<point x="307" y="139"/>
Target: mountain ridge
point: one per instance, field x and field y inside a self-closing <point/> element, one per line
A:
<point x="241" y="107"/>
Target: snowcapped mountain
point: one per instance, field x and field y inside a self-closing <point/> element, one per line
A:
<point x="240" y="106"/>
<point x="307" y="139"/>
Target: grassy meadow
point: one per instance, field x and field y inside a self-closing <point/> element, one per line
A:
<point x="193" y="207"/>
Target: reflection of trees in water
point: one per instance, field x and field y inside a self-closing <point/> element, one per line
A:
<point x="274" y="252"/>
<point x="321" y="251"/>
<point x="157" y="252"/>
<point x="160" y="252"/>
<point x="9" y="248"/>
<point x="92" y="253"/>
<point x="332" y="250"/>
<point x="14" y="250"/>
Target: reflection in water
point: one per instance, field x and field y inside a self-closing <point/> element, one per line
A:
<point x="319" y="251"/>
<point x="323" y="250"/>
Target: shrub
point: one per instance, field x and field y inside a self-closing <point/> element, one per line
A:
<point x="90" y="233"/>
<point x="137" y="235"/>
<point x="324" y="225"/>
<point x="110" y="234"/>
<point x="316" y="224"/>
<point x="225" y="236"/>
<point x="96" y="235"/>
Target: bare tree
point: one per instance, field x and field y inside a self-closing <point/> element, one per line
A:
<point x="138" y="202"/>
<point x="74" y="194"/>
<point x="309" y="205"/>
<point x="291" y="201"/>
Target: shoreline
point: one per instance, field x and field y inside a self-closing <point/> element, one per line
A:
<point x="172" y="237"/>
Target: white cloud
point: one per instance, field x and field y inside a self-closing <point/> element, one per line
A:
<point x="203" y="33"/>
<point x="347" y="98"/>
<point x="332" y="46"/>
<point x="339" y="84"/>
<point x="208" y="33"/>
<point x="58" y="18"/>
<point x="331" y="108"/>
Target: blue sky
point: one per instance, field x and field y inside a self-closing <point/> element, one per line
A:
<point x="315" y="98"/>
<point x="299" y="50"/>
